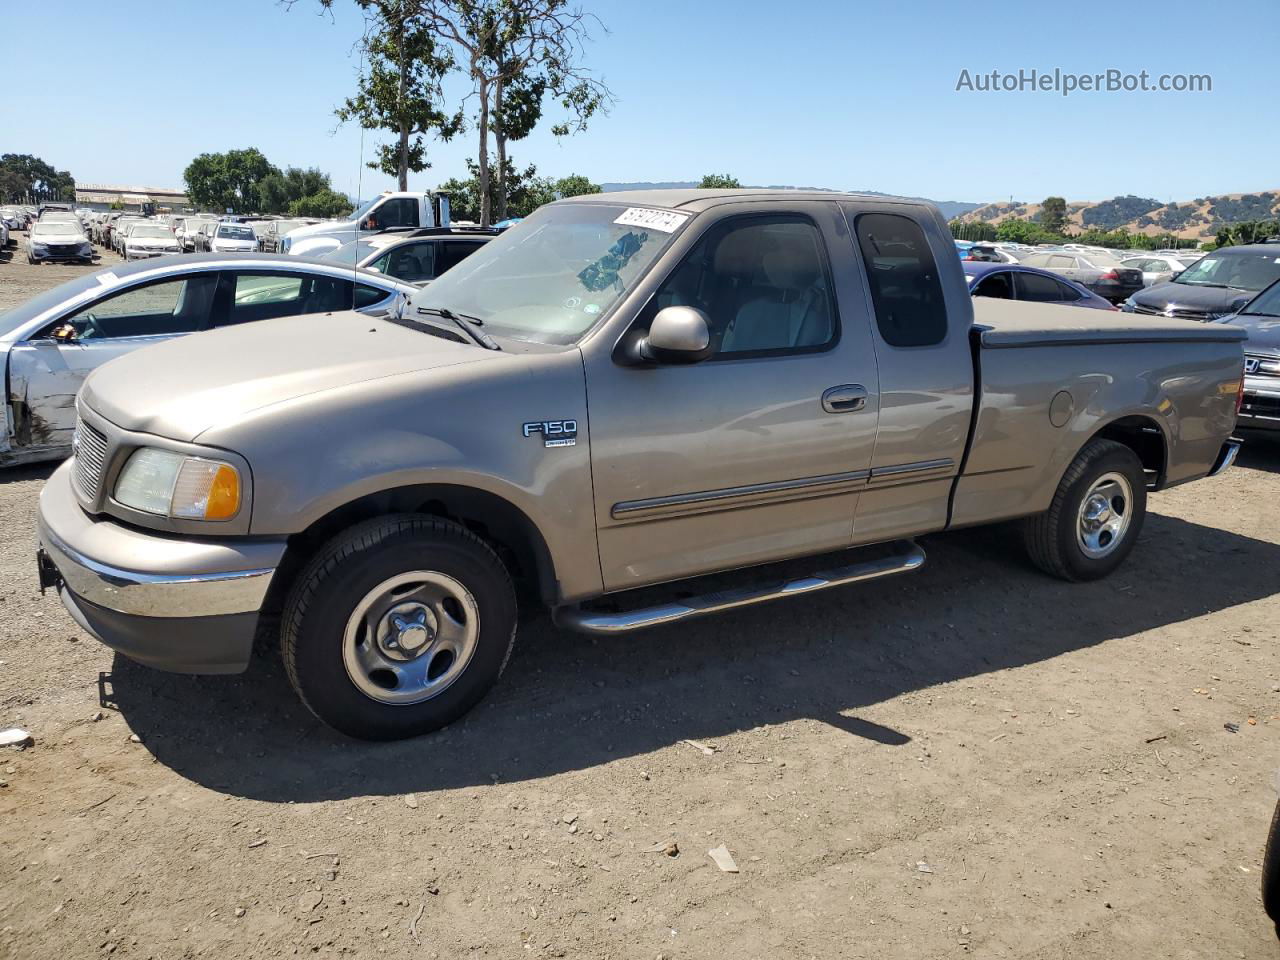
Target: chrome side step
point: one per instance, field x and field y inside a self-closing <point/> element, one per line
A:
<point x="908" y="556"/>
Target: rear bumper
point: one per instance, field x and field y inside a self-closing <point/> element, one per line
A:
<point x="181" y="604"/>
<point x="1226" y="456"/>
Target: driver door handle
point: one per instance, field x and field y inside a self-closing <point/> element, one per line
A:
<point x="846" y="398"/>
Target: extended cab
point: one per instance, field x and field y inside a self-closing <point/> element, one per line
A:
<point x="387" y="211"/>
<point x="624" y="390"/>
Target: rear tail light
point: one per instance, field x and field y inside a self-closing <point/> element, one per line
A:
<point x="1110" y="275"/>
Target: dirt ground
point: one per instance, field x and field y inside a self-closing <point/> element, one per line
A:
<point x="972" y="760"/>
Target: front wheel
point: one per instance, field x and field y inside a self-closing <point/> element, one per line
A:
<point x="398" y="627"/>
<point x="1095" y="517"/>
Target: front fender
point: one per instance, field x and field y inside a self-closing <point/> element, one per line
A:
<point x="460" y="426"/>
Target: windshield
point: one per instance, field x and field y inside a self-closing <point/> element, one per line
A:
<point x="1243" y="271"/>
<point x="147" y="230"/>
<point x="551" y="277"/>
<point x="233" y="232"/>
<point x="46" y="228"/>
<point x="364" y="208"/>
<point x="351" y="253"/>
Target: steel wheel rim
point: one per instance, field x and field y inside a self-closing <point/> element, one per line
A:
<point x="411" y="637"/>
<point x="1105" y="515"/>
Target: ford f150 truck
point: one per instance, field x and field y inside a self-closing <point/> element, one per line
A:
<point x="387" y="211"/>
<point x="625" y="390"/>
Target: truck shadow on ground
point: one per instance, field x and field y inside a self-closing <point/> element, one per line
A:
<point x="567" y="702"/>
<point x="1261" y="451"/>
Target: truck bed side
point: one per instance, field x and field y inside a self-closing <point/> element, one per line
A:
<point x="1050" y="381"/>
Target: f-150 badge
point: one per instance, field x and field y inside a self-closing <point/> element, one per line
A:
<point x="554" y="433"/>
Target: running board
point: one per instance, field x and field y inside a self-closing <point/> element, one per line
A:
<point x="908" y="556"/>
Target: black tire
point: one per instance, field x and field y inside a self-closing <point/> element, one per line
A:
<point x="1051" y="537"/>
<point x="1271" y="871"/>
<point x="338" y="578"/>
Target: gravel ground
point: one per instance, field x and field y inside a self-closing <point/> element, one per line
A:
<point x="975" y="759"/>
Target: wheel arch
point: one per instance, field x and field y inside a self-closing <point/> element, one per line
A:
<point x="1145" y="436"/>
<point x="496" y="520"/>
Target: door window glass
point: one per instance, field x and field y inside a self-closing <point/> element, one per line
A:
<point x="411" y="262"/>
<point x="452" y="252"/>
<point x="263" y="295"/>
<point x="397" y="212"/>
<point x="1039" y="289"/>
<point x="156" y="309"/>
<point x="995" y="285"/>
<point x="763" y="283"/>
<point x="906" y="292"/>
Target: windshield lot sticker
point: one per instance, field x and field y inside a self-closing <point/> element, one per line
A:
<point x="665" y="221"/>
<point x="108" y="278"/>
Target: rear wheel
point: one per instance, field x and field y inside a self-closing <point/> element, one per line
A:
<point x="1271" y="871"/>
<point x="398" y="627"/>
<point x="1095" y="517"/>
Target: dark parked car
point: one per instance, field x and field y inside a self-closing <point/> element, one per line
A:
<point x="1260" y="408"/>
<point x="1005" y="281"/>
<point x="1214" y="286"/>
<point x="1100" y="273"/>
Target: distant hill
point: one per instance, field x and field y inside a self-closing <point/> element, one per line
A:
<point x="950" y="208"/>
<point x="1198" y="219"/>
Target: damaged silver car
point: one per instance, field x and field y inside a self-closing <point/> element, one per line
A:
<point x="49" y="344"/>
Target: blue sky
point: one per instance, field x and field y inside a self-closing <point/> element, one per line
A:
<point x="835" y="93"/>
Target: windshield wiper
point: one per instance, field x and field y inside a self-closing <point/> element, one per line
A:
<point x="463" y="323"/>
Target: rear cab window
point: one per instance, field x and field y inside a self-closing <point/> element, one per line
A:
<point x="903" y="276"/>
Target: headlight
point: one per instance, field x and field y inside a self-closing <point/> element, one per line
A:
<point x="172" y="484"/>
<point x="1127" y="306"/>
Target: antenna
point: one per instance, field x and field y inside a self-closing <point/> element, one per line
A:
<point x="355" y="230"/>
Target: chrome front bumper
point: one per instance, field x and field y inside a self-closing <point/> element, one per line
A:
<point x="184" y="604"/>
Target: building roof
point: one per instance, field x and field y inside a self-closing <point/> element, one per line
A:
<point x="106" y="193"/>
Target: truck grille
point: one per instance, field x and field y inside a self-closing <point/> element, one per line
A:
<point x="89" y="450"/>
<point x="1177" y="312"/>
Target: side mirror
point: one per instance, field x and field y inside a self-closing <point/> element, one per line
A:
<point x="1238" y="303"/>
<point x="677" y="335"/>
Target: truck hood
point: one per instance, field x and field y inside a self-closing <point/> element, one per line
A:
<point x="1264" y="332"/>
<point x="328" y="228"/>
<point x="181" y="388"/>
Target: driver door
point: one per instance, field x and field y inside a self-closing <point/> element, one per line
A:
<point x="45" y="373"/>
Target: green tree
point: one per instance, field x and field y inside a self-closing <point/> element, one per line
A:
<point x="719" y="181"/>
<point x="25" y="176"/>
<point x="273" y="194"/>
<point x="1014" y="230"/>
<point x="231" y="179"/>
<point x="401" y="93"/>
<point x="1053" y="215"/>
<point x="325" y="203"/>
<point x="575" y="185"/>
<point x="514" y="52"/>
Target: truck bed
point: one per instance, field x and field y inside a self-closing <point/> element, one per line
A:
<point x="1014" y="323"/>
<point x="1049" y="377"/>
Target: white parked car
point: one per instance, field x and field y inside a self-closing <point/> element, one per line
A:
<point x="1158" y="267"/>
<point x="58" y="240"/>
<point x="150" y="240"/>
<point x="121" y="232"/>
<point x="233" y="238"/>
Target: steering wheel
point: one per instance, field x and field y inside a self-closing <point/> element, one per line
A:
<point x="88" y="327"/>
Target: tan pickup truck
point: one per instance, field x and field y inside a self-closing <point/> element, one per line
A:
<point x="625" y="390"/>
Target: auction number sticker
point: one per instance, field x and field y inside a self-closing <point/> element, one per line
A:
<point x="666" y="221"/>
